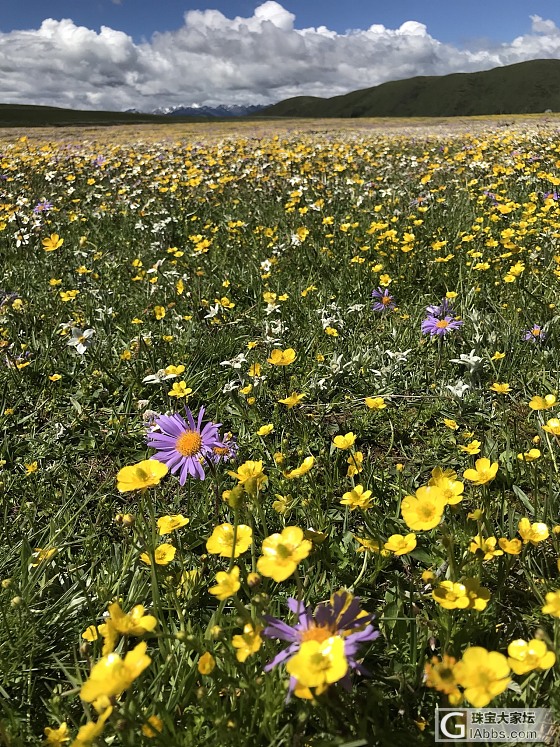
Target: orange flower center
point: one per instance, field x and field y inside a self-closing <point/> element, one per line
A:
<point x="221" y="450"/>
<point x="442" y="324"/>
<point x="189" y="443"/>
<point x="315" y="633"/>
<point x="385" y="300"/>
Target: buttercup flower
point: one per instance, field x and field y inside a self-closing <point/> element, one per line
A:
<point x="206" y="664"/>
<point x="163" y="555"/>
<point x="282" y="357"/>
<point x="461" y="596"/>
<point x="401" y="545"/>
<point x="248" y="643"/>
<point x="552" y="426"/>
<point x="542" y="403"/>
<point x="112" y="675"/>
<point x="552" y="606"/>
<point x="532" y="532"/>
<point x="222" y="542"/>
<point x="282" y="552"/>
<point x="303" y="469"/>
<point x="446" y="481"/>
<point x="425" y="510"/>
<point x="357" y="498"/>
<point x="528" y="656"/>
<point x="483" y="473"/>
<point x="485" y="548"/>
<point x="319" y="663"/>
<point x="168" y="524"/>
<point x="293" y="400"/>
<point x="440" y="675"/>
<point x="140" y="476"/>
<point x="184" y="445"/>
<point x="344" y="442"/>
<point x="227" y="584"/>
<point x="484" y="675"/>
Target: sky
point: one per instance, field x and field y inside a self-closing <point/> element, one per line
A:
<point x="124" y="54"/>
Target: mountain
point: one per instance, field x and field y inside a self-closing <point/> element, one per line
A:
<point x="523" y="88"/>
<point x="222" y="110"/>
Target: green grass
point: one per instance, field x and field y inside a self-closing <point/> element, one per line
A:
<point x="180" y="226"/>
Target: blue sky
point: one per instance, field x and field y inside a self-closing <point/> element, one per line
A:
<point x="122" y="54"/>
<point x="454" y="21"/>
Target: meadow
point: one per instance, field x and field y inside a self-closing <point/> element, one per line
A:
<point x="280" y="431"/>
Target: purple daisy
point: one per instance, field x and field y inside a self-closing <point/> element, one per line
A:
<point x="226" y="451"/>
<point x="535" y="334"/>
<point x="442" y="310"/>
<point x="182" y="445"/>
<point x="384" y="302"/>
<point x="440" y="327"/>
<point x="341" y="616"/>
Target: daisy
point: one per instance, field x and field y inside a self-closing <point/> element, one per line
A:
<point x="182" y="445"/>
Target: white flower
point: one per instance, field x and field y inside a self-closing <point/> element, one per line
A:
<point x="236" y="362"/>
<point x="459" y="389"/>
<point x="470" y="360"/>
<point x="81" y="340"/>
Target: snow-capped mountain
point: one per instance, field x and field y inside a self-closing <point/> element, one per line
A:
<point x="223" y="110"/>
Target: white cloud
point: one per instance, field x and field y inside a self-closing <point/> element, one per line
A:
<point x="214" y="59"/>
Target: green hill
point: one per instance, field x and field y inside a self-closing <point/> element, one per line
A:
<point x="524" y="88"/>
<point x="27" y="115"/>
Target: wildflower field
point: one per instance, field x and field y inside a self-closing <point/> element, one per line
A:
<point x="280" y="433"/>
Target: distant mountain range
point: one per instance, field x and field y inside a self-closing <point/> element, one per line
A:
<point x="222" y="110"/>
<point x="523" y="88"/>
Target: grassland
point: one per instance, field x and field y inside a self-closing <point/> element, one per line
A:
<point x="230" y="267"/>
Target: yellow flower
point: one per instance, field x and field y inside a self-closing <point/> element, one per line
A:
<point x="282" y="552"/>
<point x="331" y="331"/>
<point x="526" y="656"/>
<point x="282" y="357"/>
<point x="139" y="476"/>
<point x="280" y="505"/>
<point x="483" y="473"/>
<point x="425" y="510"/>
<point x="471" y="448"/>
<point x="254" y="370"/>
<point x="483" y="674"/>
<point x="53" y="242"/>
<point x="88" y="733"/>
<point x="529" y="456"/>
<point x="250" y="474"/>
<point x="248" y="643"/>
<point x="264" y="430"/>
<point x="440" y="675"/>
<point x="319" y="663"/>
<point x="543" y="403"/>
<point x="221" y="542"/>
<point x="552" y="426"/>
<point x="152" y="727"/>
<point x="446" y="480"/>
<point x="357" y="498"/>
<point x="174" y="370"/>
<point x="355" y="462"/>
<point x="371" y="545"/>
<point x="57" y="737"/>
<point x="303" y="469"/>
<point x="401" y="545"/>
<point x="497" y="356"/>
<point x="227" y="584"/>
<point x="112" y="675"/>
<point x="70" y="295"/>
<point x="500" y="388"/>
<point x="511" y="547"/>
<point x="533" y="533"/>
<point x="552" y="606"/>
<point x="55" y="377"/>
<point x="159" y="312"/>
<point x="451" y="423"/>
<point x="163" y="554"/>
<point x="134" y="623"/>
<point x="461" y="596"/>
<point x="168" y="524"/>
<point x="31" y="468"/>
<point x="206" y="663"/>
<point x="293" y="400"/>
<point x="179" y="390"/>
<point x="41" y="556"/>
<point x="375" y="403"/>
<point x="485" y="548"/>
<point x="344" y="442"/>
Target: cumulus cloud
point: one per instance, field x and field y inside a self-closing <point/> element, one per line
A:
<point x="213" y="59"/>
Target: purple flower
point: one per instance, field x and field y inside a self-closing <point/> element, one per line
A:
<point x="182" y="445"/>
<point x="535" y="334"/>
<point x="226" y="451"/>
<point x="341" y="616"/>
<point x="440" y="327"/>
<point x="440" y="311"/>
<point x="384" y="302"/>
<point x="42" y="206"/>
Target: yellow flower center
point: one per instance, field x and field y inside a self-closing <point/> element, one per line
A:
<point x="442" y="324"/>
<point x="315" y="633"/>
<point x="535" y="332"/>
<point x="221" y="450"/>
<point x="283" y="552"/>
<point x="426" y="511"/>
<point x="385" y="300"/>
<point x="189" y="443"/>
